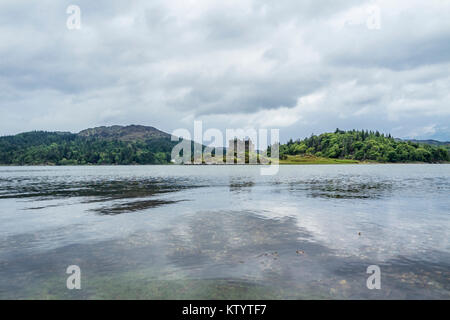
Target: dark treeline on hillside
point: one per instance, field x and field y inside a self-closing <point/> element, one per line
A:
<point x="60" y="148"/>
<point x="67" y="148"/>
<point x="364" y="145"/>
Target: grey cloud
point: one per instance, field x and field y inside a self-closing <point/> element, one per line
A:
<point x="161" y="62"/>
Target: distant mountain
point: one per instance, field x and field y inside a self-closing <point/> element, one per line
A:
<point x="430" y="142"/>
<point x="125" y="133"/>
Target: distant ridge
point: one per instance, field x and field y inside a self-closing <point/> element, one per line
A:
<point x="125" y="133"/>
<point x="430" y="141"/>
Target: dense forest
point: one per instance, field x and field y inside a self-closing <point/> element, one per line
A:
<point x="147" y="145"/>
<point x="364" y="145"/>
<point x="67" y="148"/>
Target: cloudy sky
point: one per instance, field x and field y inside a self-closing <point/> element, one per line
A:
<point x="303" y="66"/>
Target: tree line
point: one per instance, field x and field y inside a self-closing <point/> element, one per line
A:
<point x="59" y="148"/>
<point x="364" y="145"/>
<point x="53" y="148"/>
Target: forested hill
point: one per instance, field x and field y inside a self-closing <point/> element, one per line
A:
<point x="147" y="145"/>
<point x="102" y="145"/>
<point x="365" y="145"/>
<point x="125" y="133"/>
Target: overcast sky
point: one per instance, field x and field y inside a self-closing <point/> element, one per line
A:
<point x="301" y="66"/>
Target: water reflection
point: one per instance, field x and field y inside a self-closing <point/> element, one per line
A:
<point x="344" y="188"/>
<point x="105" y="192"/>
<point x="97" y="190"/>
<point x="227" y="233"/>
<point x="241" y="184"/>
<point x="132" y="206"/>
<point x="218" y="254"/>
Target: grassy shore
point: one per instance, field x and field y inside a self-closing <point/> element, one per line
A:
<point x="316" y="160"/>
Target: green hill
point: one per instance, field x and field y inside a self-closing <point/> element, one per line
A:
<point x="103" y="145"/>
<point x="125" y="133"/>
<point x="363" y="146"/>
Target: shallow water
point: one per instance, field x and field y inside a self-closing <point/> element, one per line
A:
<point x="225" y="232"/>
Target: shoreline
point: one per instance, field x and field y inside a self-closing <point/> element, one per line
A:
<point x="221" y="165"/>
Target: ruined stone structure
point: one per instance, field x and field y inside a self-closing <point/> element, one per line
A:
<point x="240" y="146"/>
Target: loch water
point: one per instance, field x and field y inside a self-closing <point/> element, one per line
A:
<point x="225" y="232"/>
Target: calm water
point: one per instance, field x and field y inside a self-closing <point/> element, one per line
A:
<point x="225" y="232"/>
